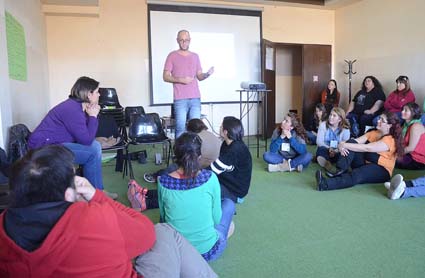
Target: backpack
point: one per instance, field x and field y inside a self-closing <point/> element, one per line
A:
<point x="18" y="142"/>
<point x="4" y="167"/>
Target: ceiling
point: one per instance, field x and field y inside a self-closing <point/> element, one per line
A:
<point x="311" y="3"/>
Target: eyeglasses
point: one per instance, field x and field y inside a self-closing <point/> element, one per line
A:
<point x="184" y="41"/>
<point x="383" y="120"/>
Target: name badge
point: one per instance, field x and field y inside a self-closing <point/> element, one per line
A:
<point x="334" y="144"/>
<point x="285" y="147"/>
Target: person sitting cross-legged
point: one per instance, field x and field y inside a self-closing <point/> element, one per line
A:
<point x="59" y="225"/>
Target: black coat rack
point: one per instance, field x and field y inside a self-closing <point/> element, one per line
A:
<point x="350" y="75"/>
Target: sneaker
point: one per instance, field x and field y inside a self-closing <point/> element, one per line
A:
<point x="137" y="196"/>
<point x="321" y="161"/>
<point x="281" y="167"/>
<point x="151" y="178"/>
<point x="324" y="163"/>
<point x="231" y="229"/>
<point x="397" y="187"/>
<point x="111" y="195"/>
<point x="387" y="185"/>
<point x="273" y="167"/>
<point x="300" y="168"/>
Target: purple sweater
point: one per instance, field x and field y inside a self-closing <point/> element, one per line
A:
<point x="65" y="123"/>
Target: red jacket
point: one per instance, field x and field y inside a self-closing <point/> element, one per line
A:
<point x="94" y="239"/>
<point x="395" y="101"/>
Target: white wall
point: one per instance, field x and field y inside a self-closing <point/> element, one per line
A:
<point x="24" y="101"/>
<point x="387" y="38"/>
<point x="112" y="47"/>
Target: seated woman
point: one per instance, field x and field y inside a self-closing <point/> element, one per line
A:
<point x="320" y="115"/>
<point x="334" y="130"/>
<point x="398" y="98"/>
<point x="371" y="157"/>
<point x="73" y="123"/>
<point x="190" y="200"/>
<point x="330" y="96"/>
<point x="399" y="189"/>
<point x="288" y="150"/>
<point x="366" y="105"/>
<point x="413" y="135"/>
<point x="210" y="149"/>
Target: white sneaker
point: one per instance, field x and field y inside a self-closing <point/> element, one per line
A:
<point x="397" y="187"/>
<point x="231" y="229"/>
<point x="111" y="195"/>
<point x="281" y="167"/>
<point x="387" y="185"/>
<point x="300" y="168"/>
<point x="273" y="167"/>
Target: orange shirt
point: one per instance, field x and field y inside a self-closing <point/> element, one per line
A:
<point x="387" y="158"/>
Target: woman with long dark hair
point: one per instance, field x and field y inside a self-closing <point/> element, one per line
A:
<point x="190" y="200"/>
<point x="366" y="105"/>
<point x="331" y="95"/>
<point x="372" y="157"/>
<point x="413" y="135"/>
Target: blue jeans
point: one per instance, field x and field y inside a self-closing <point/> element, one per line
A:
<point x="276" y="158"/>
<point x="184" y="110"/>
<point x="423" y="119"/>
<point x="311" y="137"/>
<point x="418" y="189"/>
<point x="227" y="211"/>
<point x="90" y="157"/>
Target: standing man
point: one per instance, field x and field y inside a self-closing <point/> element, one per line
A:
<point x="183" y="69"/>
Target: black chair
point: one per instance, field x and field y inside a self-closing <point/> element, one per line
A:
<point x="147" y="129"/>
<point x="131" y="112"/>
<point x="109" y="98"/>
<point x="109" y="127"/>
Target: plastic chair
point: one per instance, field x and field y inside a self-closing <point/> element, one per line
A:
<point x="147" y="129"/>
<point x="131" y="112"/>
<point x="108" y="98"/>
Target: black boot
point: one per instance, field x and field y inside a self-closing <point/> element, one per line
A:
<point x="321" y="183"/>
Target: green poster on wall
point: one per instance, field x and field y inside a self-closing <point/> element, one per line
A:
<point x="16" y="49"/>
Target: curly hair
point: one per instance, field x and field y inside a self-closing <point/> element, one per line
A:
<point x="375" y="81"/>
<point x="395" y="131"/>
<point x="297" y="125"/>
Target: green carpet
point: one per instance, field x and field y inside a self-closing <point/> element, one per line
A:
<point x="285" y="228"/>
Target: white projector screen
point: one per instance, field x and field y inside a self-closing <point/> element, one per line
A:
<point x="229" y="40"/>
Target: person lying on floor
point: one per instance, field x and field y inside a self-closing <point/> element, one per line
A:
<point x="288" y="150"/>
<point x="59" y="225"/>
<point x="400" y="189"/>
<point x="371" y="157"/>
<point x="210" y="149"/>
<point x="189" y="200"/>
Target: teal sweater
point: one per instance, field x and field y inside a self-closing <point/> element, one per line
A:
<point x="193" y="208"/>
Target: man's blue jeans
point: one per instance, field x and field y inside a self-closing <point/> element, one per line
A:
<point x="184" y="110"/>
<point x="90" y="157"/>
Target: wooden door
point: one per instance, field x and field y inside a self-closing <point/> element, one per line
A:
<point x="316" y="72"/>
<point x="269" y="78"/>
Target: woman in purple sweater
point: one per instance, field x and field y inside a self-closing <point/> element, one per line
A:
<point x="73" y="123"/>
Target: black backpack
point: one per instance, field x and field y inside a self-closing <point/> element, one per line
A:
<point x="4" y="167"/>
<point x="18" y="142"/>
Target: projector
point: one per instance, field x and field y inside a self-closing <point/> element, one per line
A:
<point x="247" y="85"/>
